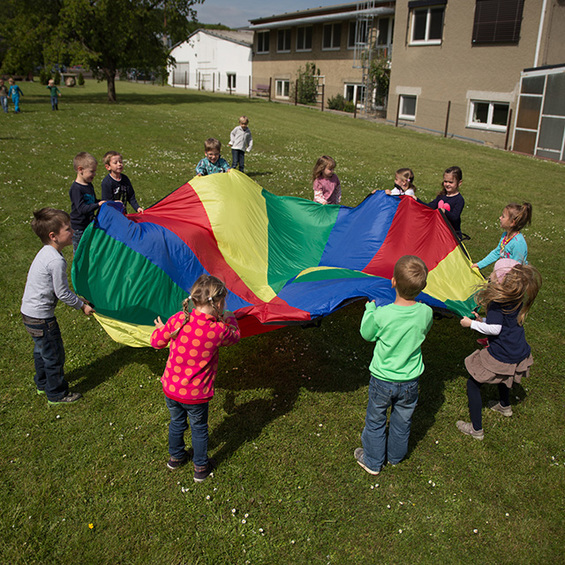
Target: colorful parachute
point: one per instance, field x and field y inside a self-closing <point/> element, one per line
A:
<point x="284" y="259"/>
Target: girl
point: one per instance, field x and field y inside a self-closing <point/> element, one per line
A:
<point x="327" y="188"/>
<point x="188" y="381"/>
<point x="512" y="244"/>
<point x="449" y="198"/>
<point x="403" y="183"/>
<point x="507" y="296"/>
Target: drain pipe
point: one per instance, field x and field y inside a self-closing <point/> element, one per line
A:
<point x="540" y="32"/>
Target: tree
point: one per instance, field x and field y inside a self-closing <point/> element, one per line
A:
<point x="307" y="84"/>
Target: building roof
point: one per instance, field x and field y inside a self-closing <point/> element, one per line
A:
<point x="244" y="38"/>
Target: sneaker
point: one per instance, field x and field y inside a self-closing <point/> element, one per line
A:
<point x="201" y="473"/>
<point x="359" y="457"/>
<point x="40" y="391"/>
<point x="483" y="341"/>
<point x="467" y="429"/>
<point x="497" y="407"/>
<point x="174" y="463"/>
<point x="69" y="397"/>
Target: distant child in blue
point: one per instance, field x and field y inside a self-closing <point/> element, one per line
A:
<point x="3" y="96"/>
<point x="507" y="297"/>
<point x="213" y="162"/>
<point x="398" y="330"/>
<point x="116" y="185"/>
<point x="83" y="200"/>
<point x="47" y="284"/>
<point x="240" y="142"/>
<point x="512" y="244"/>
<point x="14" y="92"/>
<point x="54" y="93"/>
<point x="450" y="199"/>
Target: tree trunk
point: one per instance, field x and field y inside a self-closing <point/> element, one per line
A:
<point x="110" y="75"/>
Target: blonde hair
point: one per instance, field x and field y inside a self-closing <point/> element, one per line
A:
<point x="49" y="220"/>
<point x="520" y="214"/>
<point x="108" y="156"/>
<point x="323" y="162"/>
<point x="408" y="175"/>
<point x="84" y="160"/>
<point x="519" y="287"/>
<point x="411" y="275"/>
<point x="243" y="120"/>
<point x="212" y="143"/>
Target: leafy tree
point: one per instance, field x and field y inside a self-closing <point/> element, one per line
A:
<point x="379" y="74"/>
<point x="307" y="84"/>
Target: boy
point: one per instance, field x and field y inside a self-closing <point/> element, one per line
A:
<point x="46" y="284"/>
<point x="213" y="162"/>
<point x="116" y="185"/>
<point x="83" y="200"/>
<point x="54" y="92"/>
<point x="14" y="92"/>
<point x="3" y="96"/>
<point x="240" y="142"/>
<point x="399" y="330"/>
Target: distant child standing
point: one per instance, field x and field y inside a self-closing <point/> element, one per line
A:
<point x="116" y="185"/>
<point x="403" y="184"/>
<point x="3" y="96"/>
<point x="450" y="199"/>
<point x="14" y="92"/>
<point x="398" y="330"/>
<point x="47" y="284"/>
<point x="83" y="199"/>
<point x="240" y="142"/>
<point x="507" y="296"/>
<point x="327" y="188"/>
<point x="213" y="162"/>
<point x="190" y="374"/>
<point x="512" y="244"/>
<point x="54" y="92"/>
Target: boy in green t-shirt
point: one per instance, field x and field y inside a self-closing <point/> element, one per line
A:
<point x="398" y="330"/>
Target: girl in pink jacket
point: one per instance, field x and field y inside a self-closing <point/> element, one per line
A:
<point x="194" y="337"/>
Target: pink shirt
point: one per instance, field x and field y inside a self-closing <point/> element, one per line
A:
<point x="327" y="191"/>
<point x="191" y="369"/>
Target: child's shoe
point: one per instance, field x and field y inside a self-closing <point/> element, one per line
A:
<point x="69" y="397"/>
<point x="497" y="407"/>
<point x="202" y="472"/>
<point x="359" y="457"/>
<point x="467" y="429"/>
<point x="174" y="463"/>
<point x="40" y="391"/>
<point x="483" y="341"/>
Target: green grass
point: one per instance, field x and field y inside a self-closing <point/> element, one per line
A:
<point x="290" y="405"/>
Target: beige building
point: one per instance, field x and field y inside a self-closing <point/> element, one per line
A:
<point x="333" y="38"/>
<point x="457" y="65"/>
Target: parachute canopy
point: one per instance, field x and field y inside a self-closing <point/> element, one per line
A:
<point x="283" y="259"/>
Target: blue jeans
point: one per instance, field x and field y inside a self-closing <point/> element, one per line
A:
<point x="54" y="103"/>
<point x="4" y="102"/>
<point x="48" y="355"/>
<point x="238" y="159"/>
<point x="402" y="397"/>
<point x="77" y="234"/>
<point x="198" y="416"/>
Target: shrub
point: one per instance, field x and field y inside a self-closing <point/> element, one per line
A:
<point x="338" y="102"/>
<point x="80" y="79"/>
<point x="57" y="78"/>
<point x="307" y="84"/>
<point x="44" y="76"/>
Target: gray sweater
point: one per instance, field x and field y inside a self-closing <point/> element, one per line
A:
<point x="46" y="284"/>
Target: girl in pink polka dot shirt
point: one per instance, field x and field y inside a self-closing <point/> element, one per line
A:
<point x="194" y="338"/>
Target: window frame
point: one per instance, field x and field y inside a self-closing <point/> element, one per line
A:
<point x="428" y="10"/>
<point x="352" y="34"/>
<point x="401" y="114"/>
<point x="261" y="43"/>
<point x="285" y="33"/>
<point x="231" y="78"/>
<point x="282" y="82"/>
<point x="333" y="26"/>
<point x="304" y="47"/>
<point x="488" y="125"/>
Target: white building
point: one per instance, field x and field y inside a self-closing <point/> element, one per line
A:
<point x="213" y="60"/>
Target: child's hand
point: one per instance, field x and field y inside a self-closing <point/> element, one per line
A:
<point x="87" y="308"/>
<point x="466" y="322"/>
<point x="140" y="210"/>
<point x="474" y="266"/>
<point x="199" y="175"/>
<point x="387" y="191"/>
<point x="158" y="323"/>
<point x="100" y="202"/>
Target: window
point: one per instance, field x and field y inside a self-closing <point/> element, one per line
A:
<point x="304" y="38"/>
<point x="497" y="21"/>
<point x="283" y="41"/>
<point x="231" y="81"/>
<point x="332" y="36"/>
<point x="357" y="33"/>
<point x="407" y="107"/>
<point x="282" y="88"/>
<point x="263" y="40"/>
<point x="385" y="29"/>
<point x="426" y="23"/>
<point x="488" y="115"/>
<point x="355" y="93"/>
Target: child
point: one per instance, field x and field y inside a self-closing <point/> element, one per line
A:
<point x="240" y="142"/>
<point x="83" y="200"/>
<point x="213" y="162"/>
<point x="403" y="183"/>
<point x="507" y="297"/>
<point x="449" y="198"/>
<point x="399" y="330"/>
<point x="46" y="284"/>
<point x="14" y="92"/>
<point x="512" y="244"/>
<point x="3" y="96"/>
<point x="116" y="185"/>
<point x="327" y="188"/>
<point x="188" y="381"/>
<point x="54" y="92"/>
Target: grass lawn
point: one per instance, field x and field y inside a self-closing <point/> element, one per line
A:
<point x="87" y="483"/>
